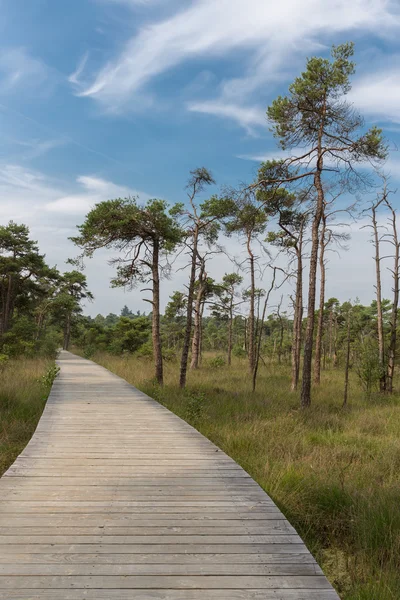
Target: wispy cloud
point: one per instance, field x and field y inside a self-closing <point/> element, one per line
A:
<point x="248" y="117"/>
<point x="268" y="36"/>
<point x="378" y="93"/>
<point x="25" y="193"/>
<point x="19" y="70"/>
<point x="74" y="77"/>
<point x="93" y="190"/>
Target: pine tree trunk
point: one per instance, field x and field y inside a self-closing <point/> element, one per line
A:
<point x="156" y="335"/>
<point x="298" y="315"/>
<point x="189" y="313"/>
<point x="251" y="320"/>
<point x="320" y="324"/>
<point x="381" y="342"/>
<point x="331" y="335"/>
<point x="309" y="335"/>
<point x="5" y="321"/>
<point x="67" y="332"/>
<point x="347" y="366"/>
<point x="230" y="332"/>
<point x="319" y="210"/>
<point x="197" y="319"/>
<point x="395" y="306"/>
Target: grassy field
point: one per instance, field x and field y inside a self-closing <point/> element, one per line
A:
<point x="24" y="387"/>
<point x="334" y="473"/>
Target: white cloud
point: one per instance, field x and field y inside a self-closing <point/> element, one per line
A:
<point x="378" y="94"/>
<point x="94" y="190"/>
<point x="20" y="70"/>
<point x="269" y="35"/>
<point x="74" y="77"/>
<point x="30" y="195"/>
<point x="248" y="117"/>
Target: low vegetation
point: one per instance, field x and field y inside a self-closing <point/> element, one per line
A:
<point x="334" y="472"/>
<point x="24" y="386"/>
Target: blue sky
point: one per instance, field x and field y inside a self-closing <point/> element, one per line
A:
<point x="105" y="98"/>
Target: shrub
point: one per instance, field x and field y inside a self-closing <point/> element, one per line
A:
<point x="367" y="365"/>
<point x="145" y="351"/>
<point x="194" y="407"/>
<point x="169" y="354"/>
<point x="4" y="358"/>
<point x="89" y="351"/>
<point x="48" y="378"/>
<point x="50" y="343"/>
<point x="217" y="362"/>
<point x="239" y="351"/>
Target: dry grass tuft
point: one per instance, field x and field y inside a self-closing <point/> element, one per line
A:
<point x="23" y="394"/>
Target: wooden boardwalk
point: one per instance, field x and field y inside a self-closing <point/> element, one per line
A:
<point x="117" y="498"/>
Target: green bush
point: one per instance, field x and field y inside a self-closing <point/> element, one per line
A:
<point x="4" y="359"/>
<point x="89" y="351"/>
<point x="48" y="378"/>
<point x="169" y="354"/>
<point x="145" y="351"/>
<point x="217" y="362"/>
<point x="194" y="407"/>
<point x="49" y="345"/>
<point x="239" y="351"/>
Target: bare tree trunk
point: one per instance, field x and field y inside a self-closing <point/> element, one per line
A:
<point x="309" y="335"/>
<point x="203" y="303"/>
<point x="230" y="332"/>
<point x="258" y="345"/>
<point x="335" y="355"/>
<point x="395" y="305"/>
<point x="281" y="331"/>
<point x="5" y="321"/>
<point x="320" y="324"/>
<point x="197" y="318"/>
<point x="331" y="335"/>
<point x="189" y="313"/>
<point x="251" y="320"/>
<point x="298" y="315"/>
<point x="67" y="332"/>
<point x="381" y="342"/>
<point x="319" y="210"/>
<point x="347" y="366"/>
<point x="39" y="325"/>
<point x="156" y="335"/>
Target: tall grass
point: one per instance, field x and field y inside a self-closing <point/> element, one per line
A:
<point x="334" y="473"/>
<point x="24" y="387"/>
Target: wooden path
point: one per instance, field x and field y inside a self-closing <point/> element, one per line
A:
<point x="117" y="498"/>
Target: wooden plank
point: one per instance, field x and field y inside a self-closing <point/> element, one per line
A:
<point x="153" y="594"/>
<point x="165" y="582"/>
<point x="116" y="497"/>
<point x="158" y="569"/>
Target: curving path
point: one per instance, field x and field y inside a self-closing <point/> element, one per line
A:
<point x="117" y="498"/>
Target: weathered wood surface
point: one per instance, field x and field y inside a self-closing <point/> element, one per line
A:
<point x="117" y="498"/>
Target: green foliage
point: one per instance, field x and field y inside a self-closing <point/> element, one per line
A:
<point x="217" y="362"/>
<point x="127" y="226"/>
<point x="169" y="354"/>
<point x="239" y="351"/>
<point x="89" y="351"/>
<point x="50" y="342"/>
<point x="145" y="351"/>
<point x="367" y="364"/>
<point x="315" y="105"/>
<point x="48" y="378"/>
<point x="4" y="360"/>
<point x="195" y="406"/>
